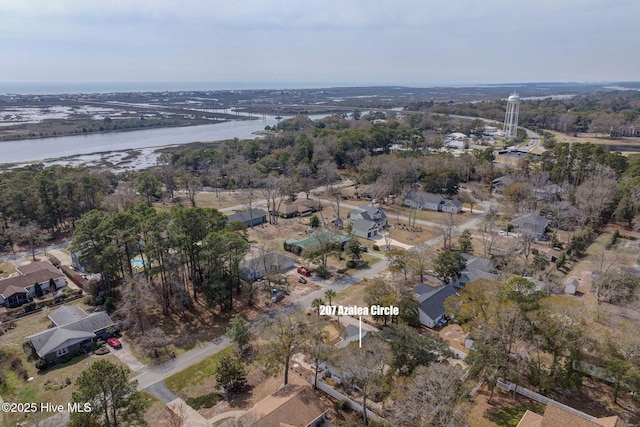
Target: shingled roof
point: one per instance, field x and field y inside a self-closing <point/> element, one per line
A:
<point x="555" y="416"/>
<point x="63" y="336"/>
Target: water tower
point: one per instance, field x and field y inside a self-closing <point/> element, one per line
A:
<point x="511" y="118"/>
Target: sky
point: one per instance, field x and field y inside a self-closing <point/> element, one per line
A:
<point x="310" y="43"/>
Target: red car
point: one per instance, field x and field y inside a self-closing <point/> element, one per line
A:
<point x="304" y="271"/>
<point x="114" y="342"/>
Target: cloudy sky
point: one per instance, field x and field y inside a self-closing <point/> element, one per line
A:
<point x="294" y="43"/>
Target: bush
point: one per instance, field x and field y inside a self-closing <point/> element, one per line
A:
<point x="53" y="260"/>
<point x="41" y="365"/>
<point x="110" y="304"/>
<point x="91" y="301"/>
<point x="204" y="401"/>
<point x="322" y="272"/>
<point x="352" y="264"/>
<point x="341" y="405"/>
<point x="75" y="278"/>
<point x="29" y="350"/>
<point x="376" y="247"/>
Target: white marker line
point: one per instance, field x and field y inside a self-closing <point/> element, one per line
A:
<point x="360" y="342"/>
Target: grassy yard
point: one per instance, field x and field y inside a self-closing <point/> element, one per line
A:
<point x="195" y="374"/>
<point x="6" y="269"/>
<point x="54" y="385"/>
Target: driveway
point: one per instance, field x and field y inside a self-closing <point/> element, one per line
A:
<point x="125" y="356"/>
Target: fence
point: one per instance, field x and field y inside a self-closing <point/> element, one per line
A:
<point x="509" y="386"/>
<point x="354" y="405"/>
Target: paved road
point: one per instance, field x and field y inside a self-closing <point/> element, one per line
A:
<point x="22" y="254"/>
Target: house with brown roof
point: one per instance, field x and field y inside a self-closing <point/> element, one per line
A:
<point x="17" y="289"/>
<point x="555" y="416"/>
<point x="302" y="207"/>
<point x="292" y="406"/>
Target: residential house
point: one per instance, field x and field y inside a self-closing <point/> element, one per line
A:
<point x="73" y="332"/>
<point x="452" y="206"/>
<point x="432" y="202"/>
<point x="301" y="207"/>
<point x="292" y="405"/>
<point x="367" y="222"/>
<point x="555" y="416"/>
<point x="475" y="268"/>
<point x="532" y="225"/>
<point x="249" y="217"/>
<point x="258" y="263"/>
<point x="500" y="184"/>
<point x="548" y="193"/>
<point x="19" y="288"/>
<point x="296" y="246"/>
<point x="431" y="301"/>
<point x="13" y="291"/>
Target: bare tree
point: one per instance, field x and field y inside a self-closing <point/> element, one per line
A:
<point x="597" y="192"/>
<point x="435" y="397"/>
<point x="489" y="233"/>
<point x="175" y="416"/>
<point x="449" y="231"/>
<point x="288" y="335"/>
<point x="420" y="260"/>
<point x="364" y="368"/>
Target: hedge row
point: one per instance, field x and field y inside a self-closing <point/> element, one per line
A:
<point x="75" y="277"/>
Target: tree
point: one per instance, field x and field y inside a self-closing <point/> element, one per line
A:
<point x="239" y="332"/>
<point x="363" y="368"/>
<point x="316" y="304"/>
<point x="449" y="265"/>
<point x="420" y="259"/>
<point x="353" y="250"/>
<point x="38" y="290"/>
<point x="399" y="260"/>
<point x="329" y="294"/>
<point x="410" y="349"/>
<point x="382" y="293"/>
<point x="148" y="185"/>
<point x="229" y="373"/>
<point x="435" y="397"/>
<point x="288" y="335"/>
<point x="448" y="231"/>
<point x="465" y="245"/>
<point x="314" y="222"/>
<point x="115" y="401"/>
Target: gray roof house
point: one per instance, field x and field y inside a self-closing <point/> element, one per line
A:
<point x="500" y="184"/>
<point x="365" y="229"/>
<point x="250" y="218"/>
<point x="73" y="333"/>
<point x="532" y="225"/>
<point x="257" y="264"/>
<point x="476" y="268"/>
<point x="367" y="221"/>
<point x="453" y="206"/>
<point x="432" y="202"/>
<point x="431" y="301"/>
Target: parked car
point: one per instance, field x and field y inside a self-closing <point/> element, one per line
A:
<point x="302" y="280"/>
<point x="277" y="297"/>
<point x="114" y="342"/>
<point x="363" y="248"/>
<point x="304" y="271"/>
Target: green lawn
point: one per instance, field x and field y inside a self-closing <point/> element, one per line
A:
<point x="6" y="269"/>
<point x="195" y="374"/>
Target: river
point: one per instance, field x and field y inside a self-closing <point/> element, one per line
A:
<point x="40" y="149"/>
